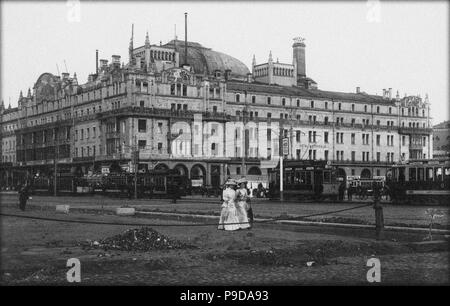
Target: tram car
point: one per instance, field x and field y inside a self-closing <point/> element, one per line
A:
<point x="154" y="183"/>
<point x="421" y="182"/>
<point x="305" y="179"/>
<point x="45" y="184"/>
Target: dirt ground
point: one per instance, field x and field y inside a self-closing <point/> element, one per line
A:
<point x="36" y="252"/>
<point x="393" y="214"/>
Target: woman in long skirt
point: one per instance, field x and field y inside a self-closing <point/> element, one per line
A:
<point x="241" y="204"/>
<point x="228" y="216"/>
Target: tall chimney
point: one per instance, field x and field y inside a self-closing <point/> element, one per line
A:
<point x="96" y="61"/>
<point x="299" y="56"/>
<point x="358" y="90"/>
<point x="185" y="38"/>
<point x="390" y="93"/>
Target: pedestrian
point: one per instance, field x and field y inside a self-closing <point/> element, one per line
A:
<point x="174" y="190"/>
<point x="242" y="197"/>
<point x="130" y="188"/>
<point x="341" y="191"/>
<point x="350" y="193"/>
<point x="228" y="216"/>
<point x="23" y="196"/>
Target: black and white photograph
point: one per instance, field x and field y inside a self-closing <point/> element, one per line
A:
<point x="206" y="144"/>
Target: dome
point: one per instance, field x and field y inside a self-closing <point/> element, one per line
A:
<point x="205" y="60"/>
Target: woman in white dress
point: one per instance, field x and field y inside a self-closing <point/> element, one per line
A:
<point x="228" y="216"/>
<point x="241" y="204"/>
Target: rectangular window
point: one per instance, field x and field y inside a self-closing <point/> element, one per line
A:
<point x="353" y="138"/>
<point x="142" y="144"/>
<point x="325" y="137"/>
<point x="142" y="125"/>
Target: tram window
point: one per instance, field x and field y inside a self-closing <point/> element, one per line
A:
<point x="308" y="178"/>
<point x="302" y="177"/>
<point x="429" y="174"/>
<point x="420" y="174"/>
<point x="447" y="171"/>
<point x="412" y="174"/>
<point x="327" y="177"/>
<point x="438" y="174"/>
<point x="297" y="177"/>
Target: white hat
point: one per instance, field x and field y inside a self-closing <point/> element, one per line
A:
<point x="242" y="180"/>
<point x="230" y="182"/>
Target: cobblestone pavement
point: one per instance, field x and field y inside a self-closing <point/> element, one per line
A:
<point x="393" y="215"/>
<point x="35" y="252"/>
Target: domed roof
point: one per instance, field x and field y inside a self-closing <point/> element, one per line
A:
<point x="205" y="60"/>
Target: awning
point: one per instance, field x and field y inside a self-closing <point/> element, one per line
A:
<point x="269" y="164"/>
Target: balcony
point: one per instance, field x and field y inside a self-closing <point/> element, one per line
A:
<point x="413" y="146"/>
<point x="83" y="159"/>
<point x="360" y="162"/>
<point x="110" y="135"/>
<point x="410" y="131"/>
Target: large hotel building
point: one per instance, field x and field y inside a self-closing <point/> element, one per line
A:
<point x="203" y="112"/>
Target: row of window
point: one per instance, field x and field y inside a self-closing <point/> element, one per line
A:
<point x="8" y="158"/>
<point x="311" y="104"/>
<point x="339" y="120"/>
<point x="81" y="134"/>
<point x="11" y="144"/>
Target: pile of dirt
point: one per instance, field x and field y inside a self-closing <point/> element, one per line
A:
<point x="139" y="239"/>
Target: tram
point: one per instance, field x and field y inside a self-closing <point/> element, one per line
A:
<point x="153" y="183"/>
<point x="305" y="179"/>
<point x="41" y="184"/>
<point x="421" y="182"/>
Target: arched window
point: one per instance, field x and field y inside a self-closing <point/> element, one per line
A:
<point x="254" y="171"/>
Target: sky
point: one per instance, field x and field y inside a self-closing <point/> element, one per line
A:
<point x="371" y="44"/>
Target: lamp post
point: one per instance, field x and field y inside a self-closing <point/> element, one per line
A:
<point x="136" y="164"/>
<point x="56" y="163"/>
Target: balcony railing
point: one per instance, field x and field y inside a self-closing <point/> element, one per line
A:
<point x="408" y="130"/>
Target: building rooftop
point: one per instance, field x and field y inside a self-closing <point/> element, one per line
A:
<point x="310" y="93"/>
<point x="442" y="125"/>
<point x="205" y="60"/>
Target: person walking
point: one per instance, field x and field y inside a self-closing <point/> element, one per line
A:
<point x="350" y="193"/>
<point x="174" y="190"/>
<point x="242" y="198"/>
<point x="228" y="216"/>
<point x="23" y="195"/>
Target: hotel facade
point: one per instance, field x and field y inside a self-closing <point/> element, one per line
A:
<point x="184" y="106"/>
